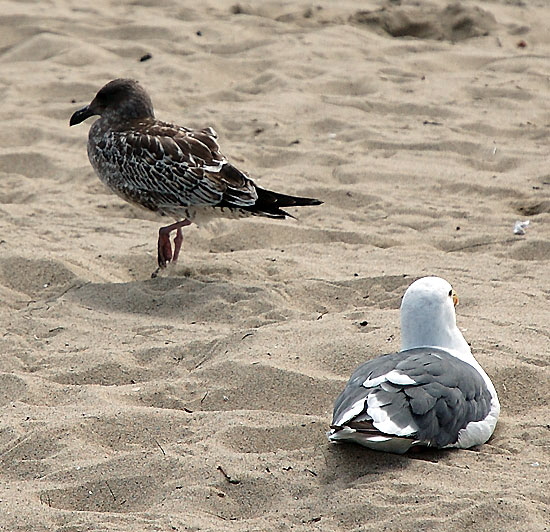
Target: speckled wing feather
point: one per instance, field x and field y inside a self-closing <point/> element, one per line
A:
<point x="166" y="168"/>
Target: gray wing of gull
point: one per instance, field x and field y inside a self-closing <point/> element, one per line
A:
<point x="422" y="393"/>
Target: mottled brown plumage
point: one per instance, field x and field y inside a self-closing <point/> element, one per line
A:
<point x="169" y="169"/>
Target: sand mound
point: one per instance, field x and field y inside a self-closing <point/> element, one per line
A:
<point x="456" y="22"/>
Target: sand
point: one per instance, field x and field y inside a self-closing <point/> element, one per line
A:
<point x="199" y="400"/>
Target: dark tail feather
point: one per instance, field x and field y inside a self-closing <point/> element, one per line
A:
<point x="269" y="203"/>
<point x="282" y="200"/>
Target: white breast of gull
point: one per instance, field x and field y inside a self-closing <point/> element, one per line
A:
<point x="169" y="169"/>
<point x="432" y="393"/>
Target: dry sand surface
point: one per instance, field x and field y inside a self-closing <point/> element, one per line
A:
<point x="199" y="400"/>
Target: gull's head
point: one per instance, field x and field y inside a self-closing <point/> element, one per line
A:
<point x="122" y="99"/>
<point x="428" y="316"/>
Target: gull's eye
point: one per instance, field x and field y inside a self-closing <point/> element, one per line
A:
<point x="451" y="292"/>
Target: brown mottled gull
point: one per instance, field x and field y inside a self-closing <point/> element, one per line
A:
<point x="169" y="169"/>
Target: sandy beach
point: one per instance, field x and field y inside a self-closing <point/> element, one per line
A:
<point x="199" y="400"/>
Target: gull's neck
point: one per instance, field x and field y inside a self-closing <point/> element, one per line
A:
<point x="427" y="329"/>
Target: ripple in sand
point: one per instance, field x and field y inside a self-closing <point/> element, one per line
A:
<point x="36" y="277"/>
<point x="12" y="388"/>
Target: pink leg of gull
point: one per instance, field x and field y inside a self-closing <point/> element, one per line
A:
<point x="177" y="244"/>
<point x="165" y="254"/>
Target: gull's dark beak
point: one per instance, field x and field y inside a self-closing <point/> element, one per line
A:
<point x="81" y="115"/>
